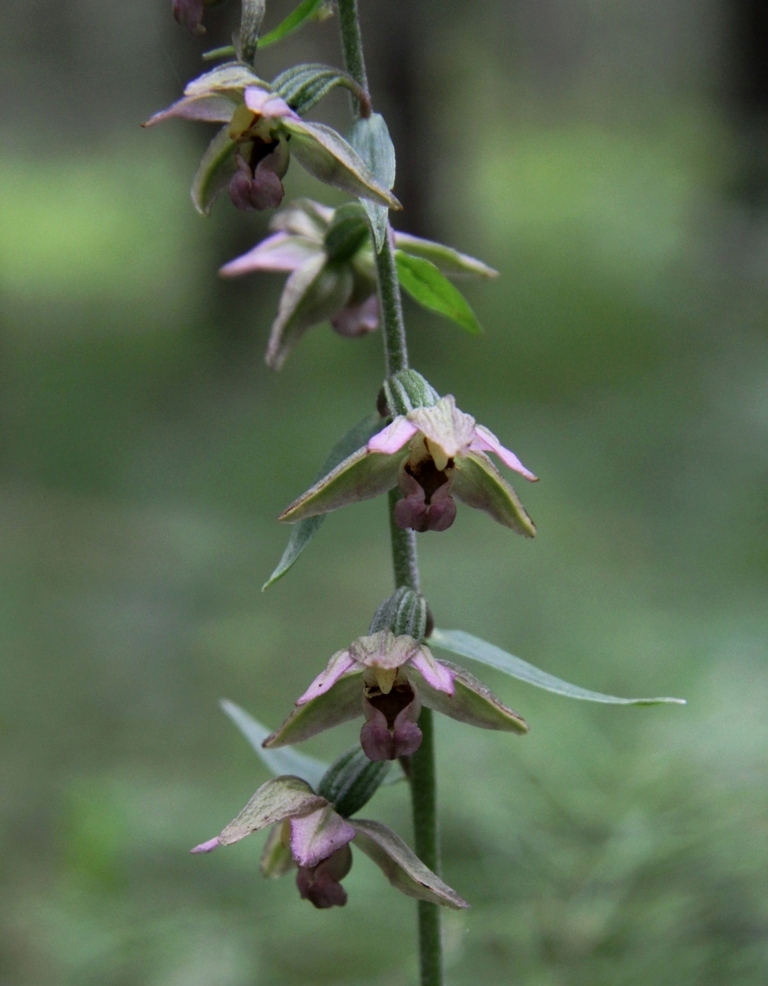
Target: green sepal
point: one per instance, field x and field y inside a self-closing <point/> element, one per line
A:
<point x="283" y="761"/>
<point x="361" y="476"/>
<point x="247" y="38"/>
<point x="276" y="799"/>
<point x="478" y="483"/>
<point x="303" y="86"/>
<point x="303" y="531"/>
<point x="342" y="703"/>
<point x="276" y="859"/>
<point x="429" y="287"/>
<point x="401" y="866"/>
<point x="369" y="136"/>
<point x="230" y="75"/>
<point x="352" y="780"/>
<point x="326" y="155"/>
<point x="471" y="702"/>
<point x="215" y="171"/>
<point x="407" y="390"/>
<point x="445" y="258"/>
<point x="300" y="15"/>
<point x="405" y="612"/>
<point x="312" y="294"/>
<point x="466" y="645"/>
<point x="347" y="232"/>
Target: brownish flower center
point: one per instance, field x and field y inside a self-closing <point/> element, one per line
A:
<point x="394" y="702"/>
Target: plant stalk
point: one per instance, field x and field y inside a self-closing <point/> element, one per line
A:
<point x="404" y="559"/>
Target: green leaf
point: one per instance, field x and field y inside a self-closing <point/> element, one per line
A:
<point x="369" y="136"/>
<point x="276" y="799"/>
<point x="425" y="284"/>
<point x="283" y="761"/>
<point x="478" y="483"/>
<point x="216" y="169"/>
<point x="465" y="645"/>
<point x="445" y="258"/>
<point x="326" y="155"/>
<point x="401" y="866"/>
<point x="303" y="86"/>
<point x="294" y="20"/>
<point x="305" y="530"/>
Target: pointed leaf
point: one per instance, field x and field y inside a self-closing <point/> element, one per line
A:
<point x="445" y="258"/>
<point x="312" y="294"/>
<point x="303" y="532"/>
<point x="294" y="20"/>
<point x="466" y="645"/>
<point x="401" y="866"/>
<point x="326" y="155"/>
<point x="360" y="477"/>
<point x="287" y="761"/>
<point x="479" y="484"/>
<point x="425" y="284"/>
<point x="230" y="75"/>
<point x="216" y="169"/>
<point x="471" y="702"/>
<point x="303" y="86"/>
<point x="369" y="136"/>
<point x="343" y="702"/>
<point x="278" y="798"/>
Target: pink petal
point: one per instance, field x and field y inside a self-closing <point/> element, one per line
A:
<point x="392" y="438"/>
<point x="208" y="846"/>
<point x="267" y="104"/>
<point x="485" y="441"/>
<point x="433" y="672"/>
<point x="279" y="252"/>
<point x="317" y="836"/>
<point x="340" y="662"/>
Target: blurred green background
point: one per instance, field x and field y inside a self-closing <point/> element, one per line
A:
<point x="608" y="158"/>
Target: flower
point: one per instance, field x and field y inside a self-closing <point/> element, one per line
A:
<point x="432" y="452"/>
<point x="311" y="832"/>
<point x="329" y="257"/>
<point x="189" y="13"/>
<point x="332" y="276"/>
<point x="250" y="154"/>
<point x="388" y="677"/>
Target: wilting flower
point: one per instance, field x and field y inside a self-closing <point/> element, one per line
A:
<point x="387" y="678"/>
<point x="329" y="257"/>
<point x="250" y="155"/>
<point x="310" y="833"/>
<point x="432" y="453"/>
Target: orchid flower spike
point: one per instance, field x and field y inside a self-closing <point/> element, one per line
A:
<point x="432" y="451"/>
<point x="250" y="154"/>
<point x="313" y="833"/>
<point x="387" y="678"/>
<point x="330" y="260"/>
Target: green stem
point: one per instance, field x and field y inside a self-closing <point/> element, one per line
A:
<point x="404" y="560"/>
